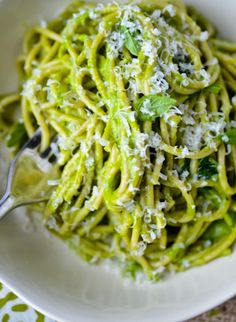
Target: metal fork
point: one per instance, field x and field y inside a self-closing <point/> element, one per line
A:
<point x="28" y="176"/>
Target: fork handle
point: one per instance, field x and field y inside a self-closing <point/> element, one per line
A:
<point x="7" y="203"/>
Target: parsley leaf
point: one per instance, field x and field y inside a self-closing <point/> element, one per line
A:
<point x="229" y="136"/>
<point x="130" y="41"/>
<point x="214" y="88"/>
<point x="208" y="168"/>
<point x="17" y="137"/>
<point x="152" y="106"/>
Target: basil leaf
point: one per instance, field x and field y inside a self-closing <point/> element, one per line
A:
<point x="152" y="106"/>
<point x="18" y="136"/>
<point x="217" y="230"/>
<point x="229" y="136"/>
<point x="207" y="168"/>
<point x="130" y="42"/>
<point x="214" y="88"/>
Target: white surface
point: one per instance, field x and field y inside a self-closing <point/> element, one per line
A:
<point x="47" y="275"/>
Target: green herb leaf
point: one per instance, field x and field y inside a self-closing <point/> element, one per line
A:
<point x="130" y="42"/>
<point x="208" y="168"/>
<point x="185" y="166"/>
<point x="131" y="269"/>
<point x="214" y="88"/>
<point x="232" y="214"/>
<point x="211" y="195"/>
<point x="217" y="230"/>
<point x="229" y="136"/>
<point x="152" y="106"/>
<point x="229" y="218"/>
<point x="18" y="136"/>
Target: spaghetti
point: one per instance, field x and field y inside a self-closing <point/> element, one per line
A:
<point x="142" y="101"/>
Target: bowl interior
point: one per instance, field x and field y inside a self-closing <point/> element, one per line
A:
<point x="42" y="270"/>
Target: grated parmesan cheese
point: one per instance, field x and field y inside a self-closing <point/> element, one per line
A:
<point x="212" y="62"/>
<point x="157" y="82"/>
<point x="207" y="243"/>
<point x="89" y="162"/>
<point x="52" y="224"/>
<point x="185" y="263"/>
<point x="93" y="14"/>
<point x="184" y="175"/>
<point x="204" y="36"/>
<point x="140" y="248"/>
<point x="156" y="14"/>
<point x="133" y="189"/>
<point x="101" y="140"/>
<point x="234" y="100"/>
<point x="154" y="141"/>
<point x="53" y="182"/>
<point x="160" y="159"/>
<point x="156" y="32"/>
<point x="170" y="9"/>
<point x="28" y="90"/>
<point x="146" y="108"/>
<point x="184" y="153"/>
<point x="115" y="43"/>
<point x="161" y="205"/>
<point x="95" y="191"/>
<point x="163" y="176"/>
<point x="192" y="137"/>
<point x="129" y="205"/>
<point x="43" y="24"/>
<point x="141" y="144"/>
<point x="206" y="77"/>
<point x="149" y="51"/>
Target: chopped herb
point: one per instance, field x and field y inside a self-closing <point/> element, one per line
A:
<point x="214" y="88"/>
<point x="208" y="168"/>
<point x="230" y="218"/>
<point x="130" y="41"/>
<point x="229" y="137"/>
<point x="217" y="230"/>
<point x="131" y="269"/>
<point x="152" y="106"/>
<point x="185" y="166"/>
<point x="17" y="137"/>
<point x="212" y="196"/>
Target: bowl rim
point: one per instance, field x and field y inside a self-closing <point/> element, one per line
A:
<point x="190" y="312"/>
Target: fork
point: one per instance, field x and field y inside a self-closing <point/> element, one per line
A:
<point x="28" y="176"/>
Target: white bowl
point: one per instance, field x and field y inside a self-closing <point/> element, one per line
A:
<point x="54" y="280"/>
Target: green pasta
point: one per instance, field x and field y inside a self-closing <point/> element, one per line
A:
<point x="142" y="100"/>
